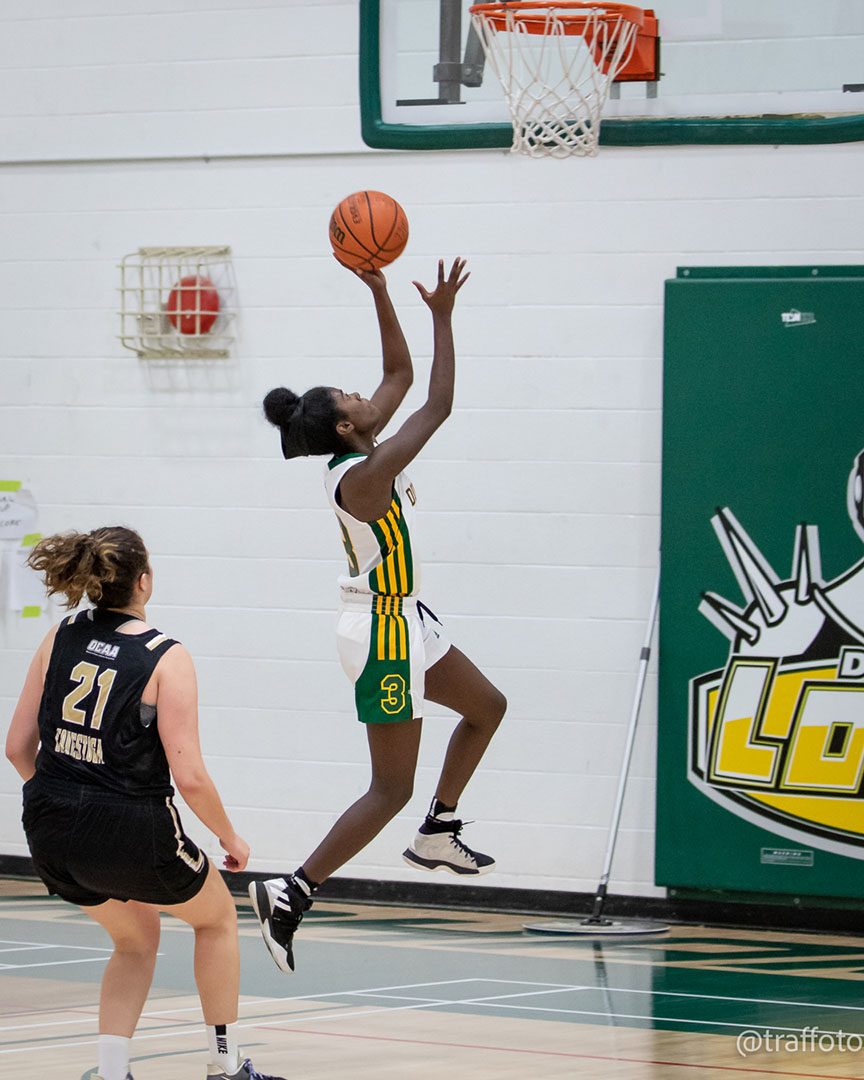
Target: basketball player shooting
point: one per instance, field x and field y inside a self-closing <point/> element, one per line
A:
<point x="392" y="647"/>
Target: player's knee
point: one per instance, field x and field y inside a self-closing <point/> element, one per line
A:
<point x="142" y="942"/>
<point x="224" y="914"/>
<point x="492" y="712"/>
<point x="394" y="793"/>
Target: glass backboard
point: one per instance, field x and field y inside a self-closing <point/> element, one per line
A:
<point x="731" y="71"/>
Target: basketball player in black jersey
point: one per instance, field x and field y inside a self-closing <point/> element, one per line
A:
<point x="108" y="713"/>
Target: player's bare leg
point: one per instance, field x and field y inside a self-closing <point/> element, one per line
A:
<point x="212" y="915"/>
<point x="455" y="682"/>
<point x="134" y="929"/>
<point x="460" y="685"/>
<point x="280" y="903"/>
<point x="393" y="750"/>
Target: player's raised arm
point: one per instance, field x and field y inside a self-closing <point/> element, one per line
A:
<point x="398" y="373"/>
<point x="365" y="491"/>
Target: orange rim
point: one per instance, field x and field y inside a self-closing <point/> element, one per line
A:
<point x="572" y="14"/>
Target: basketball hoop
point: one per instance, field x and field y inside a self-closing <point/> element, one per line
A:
<point x="556" y="62"/>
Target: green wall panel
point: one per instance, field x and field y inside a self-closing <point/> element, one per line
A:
<point x="761" y="721"/>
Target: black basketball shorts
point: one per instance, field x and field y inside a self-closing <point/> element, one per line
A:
<point x="89" y="846"/>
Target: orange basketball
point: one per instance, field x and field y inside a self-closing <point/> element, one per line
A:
<point x="368" y="230"/>
<point x="193" y="305"/>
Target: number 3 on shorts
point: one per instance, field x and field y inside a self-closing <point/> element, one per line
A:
<point x="393" y="694"/>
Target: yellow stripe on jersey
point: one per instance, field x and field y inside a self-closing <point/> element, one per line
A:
<point x="381" y="625"/>
<point x="400" y="548"/>
<point x="392" y="538"/>
<point x="391" y="576"/>
<point x="391" y="641"/>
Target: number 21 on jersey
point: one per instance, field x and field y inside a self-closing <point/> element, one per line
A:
<point x="87" y="676"/>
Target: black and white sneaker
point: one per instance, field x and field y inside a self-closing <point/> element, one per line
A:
<point x="440" y="848"/>
<point x="247" y="1071"/>
<point x="279" y="904"/>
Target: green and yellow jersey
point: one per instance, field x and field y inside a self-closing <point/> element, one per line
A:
<point x="382" y="559"/>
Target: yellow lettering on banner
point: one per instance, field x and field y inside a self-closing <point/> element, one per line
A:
<point x="826" y="714"/>
<point x="737" y="752"/>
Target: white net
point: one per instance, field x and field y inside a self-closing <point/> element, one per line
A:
<point x="177" y="302"/>
<point x="556" y="63"/>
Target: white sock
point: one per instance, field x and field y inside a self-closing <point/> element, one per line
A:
<point x="113" y="1057"/>
<point x="223" y="1047"/>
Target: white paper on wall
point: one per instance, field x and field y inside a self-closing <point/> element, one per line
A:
<point x="21" y="589"/>
<point x="17" y="513"/>
<point x="25" y="592"/>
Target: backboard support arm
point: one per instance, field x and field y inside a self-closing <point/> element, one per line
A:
<point x="451" y="72"/>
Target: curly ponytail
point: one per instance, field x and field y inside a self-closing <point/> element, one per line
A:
<point x="103" y="564"/>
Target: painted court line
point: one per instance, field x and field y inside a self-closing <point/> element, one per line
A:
<point x="480" y="1002"/>
<point x="494" y="1003"/>
<point x="54" y="963"/>
<point x="701" y="1066"/>
<point x="243" y="1004"/>
<point x="55" y="945"/>
<point x="159" y="1013"/>
<point x="695" y="997"/>
<point x="745" y="1000"/>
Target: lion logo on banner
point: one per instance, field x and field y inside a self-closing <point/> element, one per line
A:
<point x="777" y="735"/>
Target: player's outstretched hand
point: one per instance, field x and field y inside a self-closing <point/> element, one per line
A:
<point x="373" y="278"/>
<point x="237" y="853"/>
<point x="441" y="301"/>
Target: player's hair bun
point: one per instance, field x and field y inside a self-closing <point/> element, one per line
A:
<point x="280" y="405"/>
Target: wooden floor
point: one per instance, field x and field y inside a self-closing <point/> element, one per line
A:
<point x="406" y="994"/>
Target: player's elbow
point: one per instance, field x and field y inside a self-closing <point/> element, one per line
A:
<point x="22" y="757"/>
<point x="190" y="780"/>
<point x="439" y="409"/>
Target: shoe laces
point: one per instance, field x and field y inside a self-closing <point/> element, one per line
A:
<point x="457" y="843"/>
<point x="253" y="1073"/>
<point x="288" y="907"/>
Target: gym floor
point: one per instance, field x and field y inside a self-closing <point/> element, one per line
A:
<point x="403" y="992"/>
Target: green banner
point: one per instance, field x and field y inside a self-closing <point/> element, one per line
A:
<point x="761" y="698"/>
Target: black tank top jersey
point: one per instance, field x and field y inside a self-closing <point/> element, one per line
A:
<point x="93" y="727"/>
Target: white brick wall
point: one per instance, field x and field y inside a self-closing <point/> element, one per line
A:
<point x="540" y="497"/>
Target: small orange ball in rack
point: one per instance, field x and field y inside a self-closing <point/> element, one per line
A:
<point x="193" y="305"/>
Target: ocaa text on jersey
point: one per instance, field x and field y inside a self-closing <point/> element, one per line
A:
<point x="102" y="648"/>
